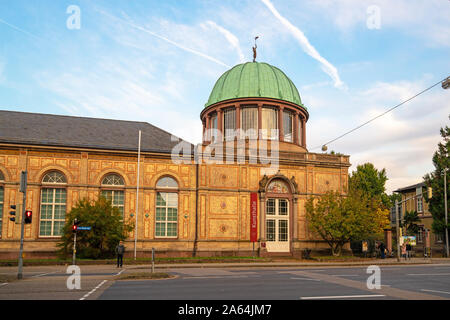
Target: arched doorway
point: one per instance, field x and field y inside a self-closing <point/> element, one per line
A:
<point x="278" y="216"/>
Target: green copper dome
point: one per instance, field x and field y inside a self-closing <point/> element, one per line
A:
<point x="254" y="80"/>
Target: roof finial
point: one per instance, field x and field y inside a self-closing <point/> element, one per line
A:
<point x="254" y="49"/>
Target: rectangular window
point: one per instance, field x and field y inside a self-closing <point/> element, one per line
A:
<point x="269" y="123"/>
<point x="300" y="131"/>
<point x="270" y="230"/>
<point x="249" y="122"/>
<point x="1" y="209"/>
<point x="53" y="212"/>
<point x="419" y="236"/>
<point x="117" y="199"/>
<point x="229" y="123"/>
<point x="214" y="128"/>
<point x="166" y="219"/>
<point x="288" y="119"/>
<point x="419" y="205"/>
<point x="282" y="230"/>
<point x="439" y="237"/>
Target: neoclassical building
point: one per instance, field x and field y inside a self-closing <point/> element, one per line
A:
<point x="242" y="189"/>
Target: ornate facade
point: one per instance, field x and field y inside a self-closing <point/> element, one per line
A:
<point x="184" y="208"/>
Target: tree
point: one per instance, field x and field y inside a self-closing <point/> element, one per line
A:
<point x="338" y="219"/>
<point x="435" y="180"/>
<point x="107" y="229"/>
<point x="371" y="182"/>
<point x="410" y="219"/>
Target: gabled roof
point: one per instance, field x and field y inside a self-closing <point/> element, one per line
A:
<point x="68" y="131"/>
<point x="413" y="187"/>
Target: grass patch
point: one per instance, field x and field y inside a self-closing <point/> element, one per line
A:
<point x="144" y="276"/>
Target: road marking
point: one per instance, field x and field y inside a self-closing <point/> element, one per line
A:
<point x="3" y="284"/>
<point x="344" y="297"/>
<point x="120" y="272"/>
<point x="344" y="275"/>
<point x="306" y="279"/>
<point x="428" y="274"/>
<point x="93" y="290"/>
<point x="434" y="291"/>
<point x="43" y="274"/>
<point x="215" y="277"/>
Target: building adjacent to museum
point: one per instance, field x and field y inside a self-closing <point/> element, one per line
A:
<point x="253" y="113"/>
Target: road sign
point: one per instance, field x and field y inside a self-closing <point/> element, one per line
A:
<point x="84" y="228"/>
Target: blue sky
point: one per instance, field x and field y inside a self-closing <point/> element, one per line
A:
<point x="157" y="61"/>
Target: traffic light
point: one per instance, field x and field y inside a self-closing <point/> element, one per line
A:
<point x="13" y="213"/>
<point x="75" y="225"/>
<point x="28" y="216"/>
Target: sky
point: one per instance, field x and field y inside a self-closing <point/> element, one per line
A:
<point x="157" y="61"/>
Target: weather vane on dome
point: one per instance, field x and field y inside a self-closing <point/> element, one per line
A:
<point x="254" y="49"/>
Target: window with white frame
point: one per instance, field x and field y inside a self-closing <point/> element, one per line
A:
<point x="439" y="237"/>
<point x="419" y="204"/>
<point x="214" y="128"/>
<point x="53" y="204"/>
<point x="229" y="123"/>
<point x="249" y="122"/>
<point x="115" y="194"/>
<point x="166" y="220"/>
<point x="269" y="123"/>
<point x="288" y="119"/>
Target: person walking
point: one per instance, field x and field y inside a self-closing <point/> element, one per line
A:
<point x="382" y="248"/>
<point x="120" y="250"/>
<point x="403" y="249"/>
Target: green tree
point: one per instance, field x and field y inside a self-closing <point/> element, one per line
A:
<point x="107" y="229"/>
<point x="371" y="182"/>
<point x="435" y="180"/>
<point x="338" y="219"/>
<point x="410" y="220"/>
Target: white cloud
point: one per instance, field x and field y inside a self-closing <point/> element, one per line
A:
<point x="326" y="66"/>
<point x="231" y="38"/>
<point x="402" y="141"/>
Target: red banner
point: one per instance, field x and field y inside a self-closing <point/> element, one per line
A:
<point x="253" y="217"/>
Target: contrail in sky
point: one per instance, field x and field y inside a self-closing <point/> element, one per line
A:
<point x="167" y="40"/>
<point x="231" y="38"/>
<point x="19" y="29"/>
<point x="327" y="67"/>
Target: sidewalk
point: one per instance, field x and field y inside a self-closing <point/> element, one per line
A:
<point x="390" y="261"/>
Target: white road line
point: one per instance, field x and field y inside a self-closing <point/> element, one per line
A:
<point x="215" y="277"/>
<point x="344" y="275"/>
<point x="344" y="297"/>
<point x="428" y="274"/>
<point x="306" y="279"/>
<point x="118" y="274"/>
<point x="3" y="284"/>
<point x="434" y="291"/>
<point x="43" y="274"/>
<point x="93" y="290"/>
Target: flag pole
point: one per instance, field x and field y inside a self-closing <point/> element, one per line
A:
<point x="137" y="194"/>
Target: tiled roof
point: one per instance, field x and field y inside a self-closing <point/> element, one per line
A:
<point x="68" y="131"/>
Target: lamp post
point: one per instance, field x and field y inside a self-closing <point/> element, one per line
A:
<point x="445" y="208"/>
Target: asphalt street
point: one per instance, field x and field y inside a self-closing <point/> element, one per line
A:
<point x="417" y="282"/>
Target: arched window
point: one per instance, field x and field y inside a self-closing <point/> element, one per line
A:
<point x="53" y="204"/>
<point x="166" y="222"/>
<point x="113" y="190"/>
<point x="2" y="178"/>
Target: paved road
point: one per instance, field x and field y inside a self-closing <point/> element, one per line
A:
<point x="397" y="282"/>
<point x="420" y="282"/>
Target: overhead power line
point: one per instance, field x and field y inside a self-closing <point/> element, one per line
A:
<point x="382" y="114"/>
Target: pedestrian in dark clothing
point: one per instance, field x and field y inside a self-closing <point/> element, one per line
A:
<point x="382" y="248"/>
<point x="120" y="250"/>
<point x="408" y="250"/>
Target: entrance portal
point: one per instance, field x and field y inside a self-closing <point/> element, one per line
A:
<point x="277" y="225"/>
